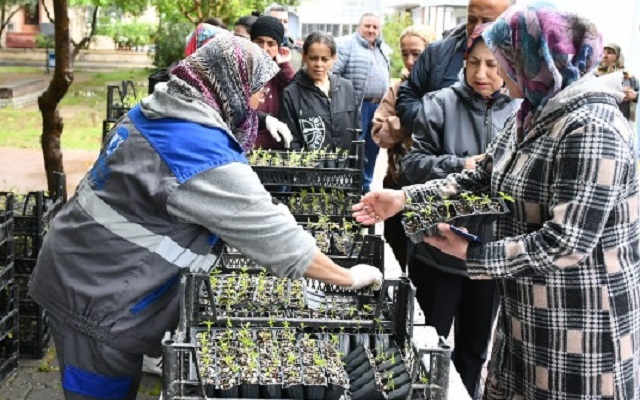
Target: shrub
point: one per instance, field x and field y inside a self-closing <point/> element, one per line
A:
<point x="170" y="43"/>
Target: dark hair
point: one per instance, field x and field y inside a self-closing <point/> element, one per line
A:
<point x="246" y="21"/>
<point x="215" y="22"/>
<point x="319" y="37"/>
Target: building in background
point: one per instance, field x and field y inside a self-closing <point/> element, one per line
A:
<point x="338" y="17"/>
<point x="439" y="14"/>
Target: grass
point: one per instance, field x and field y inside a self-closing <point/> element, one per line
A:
<point x="82" y="109"/>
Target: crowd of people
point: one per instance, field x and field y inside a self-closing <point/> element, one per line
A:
<point x="519" y="99"/>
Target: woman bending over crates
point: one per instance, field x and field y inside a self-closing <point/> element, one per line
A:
<point x="171" y="179"/>
<point x="566" y="261"/>
<point x="318" y="106"/>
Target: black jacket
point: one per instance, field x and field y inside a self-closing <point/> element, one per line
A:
<point x="437" y="68"/>
<point x="316" y="121"/>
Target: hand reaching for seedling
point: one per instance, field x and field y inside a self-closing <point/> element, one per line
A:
<point x="363" y="275"/>
<point x="378" y="205"/>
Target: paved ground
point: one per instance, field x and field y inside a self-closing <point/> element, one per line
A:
<point x="40" y="379"/>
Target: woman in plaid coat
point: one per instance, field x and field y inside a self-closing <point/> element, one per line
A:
<point x="568" y="262"/>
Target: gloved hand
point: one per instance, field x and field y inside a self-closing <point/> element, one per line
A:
<point x="365" y="275"/>
<point x="277" y="129"/>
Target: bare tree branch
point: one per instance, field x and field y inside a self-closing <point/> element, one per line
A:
<point x="5" y="22"/>
<point x="46" y="10"/>
<point x="87" y="39"/>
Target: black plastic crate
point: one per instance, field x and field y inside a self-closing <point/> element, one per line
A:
<point x="7" y="275"/>
<point x="120" y="99"/>
<point x="34" y="211"/>
<point x="35" y="333"/>
<point x="6" y="216"/>
<point x="22" y="284"/>
<point x="306" y="204"/>
<point x="325" y="306"/>
<point x="370" y="251"/>
<point x="8" y="299"/>
<point x="106" y="128"/>
<point x="8" y="323"/>
<point x="7" y="249"/>
<point x="322" y="173"/>
<point x="8" y="356"/>
<point x="376" y="366"/>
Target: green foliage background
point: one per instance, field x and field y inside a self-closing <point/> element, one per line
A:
<point x="393" y="26"/>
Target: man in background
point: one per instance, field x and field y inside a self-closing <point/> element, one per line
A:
<point x="362" y="61"/>
<point x="282" y="14"/>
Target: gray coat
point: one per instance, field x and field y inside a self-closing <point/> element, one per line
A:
<point x="453" y="123"/>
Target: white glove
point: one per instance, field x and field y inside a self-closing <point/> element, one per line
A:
<point x="365" y="275"/>
<point x="277" y="129"/>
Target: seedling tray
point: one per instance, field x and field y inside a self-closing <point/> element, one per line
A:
<point x="332" y="307"/>
<point x="371" y="366"/>
<point x="319" y="171"/>
<point x="421" y="219"/>
<point x="370" y="251"/>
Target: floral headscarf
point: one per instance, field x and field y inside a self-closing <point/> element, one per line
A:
<point x="224" y="73"/>
<point x="543" y="51"/>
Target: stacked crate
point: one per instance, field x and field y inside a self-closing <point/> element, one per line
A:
<point x="8" y="291"/>
<point x="119" y="101"/>
<point x="33" y="215"/>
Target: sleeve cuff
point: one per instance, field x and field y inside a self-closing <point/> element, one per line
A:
<point x="475" y="261"/>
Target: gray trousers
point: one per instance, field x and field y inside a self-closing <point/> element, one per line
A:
<point x="91" y="369"/>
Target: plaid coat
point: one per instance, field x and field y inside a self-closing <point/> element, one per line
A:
<point x="568" y="263"/>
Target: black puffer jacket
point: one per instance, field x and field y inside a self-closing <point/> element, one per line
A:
<point x="315" y="120"/>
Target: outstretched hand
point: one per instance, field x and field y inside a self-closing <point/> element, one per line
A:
<point x="378" y="205"/>
<point x="449" y="242"/>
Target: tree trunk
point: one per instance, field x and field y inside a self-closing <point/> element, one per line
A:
<point x="52" y="123"/>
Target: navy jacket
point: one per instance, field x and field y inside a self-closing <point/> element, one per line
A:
<point x="437" y="68"/>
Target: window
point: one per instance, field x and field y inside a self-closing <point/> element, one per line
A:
<point x="345" y="30"/>
<point x="31" y="14"/>
<point x="333" y="29"/>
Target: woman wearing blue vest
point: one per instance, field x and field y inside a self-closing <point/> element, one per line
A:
<point x="171" y="179"/>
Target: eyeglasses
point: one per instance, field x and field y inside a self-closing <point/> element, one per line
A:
<point x="262" y="93"/>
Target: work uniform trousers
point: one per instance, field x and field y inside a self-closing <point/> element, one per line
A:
<point x="92" y="369"/>
<point x="473" y="303"/>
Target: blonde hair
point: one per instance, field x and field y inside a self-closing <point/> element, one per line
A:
<point x="424" y="32"/>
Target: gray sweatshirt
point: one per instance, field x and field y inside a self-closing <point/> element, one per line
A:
<point x="169" y="181"/>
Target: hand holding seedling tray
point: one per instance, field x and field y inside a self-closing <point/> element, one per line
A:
<point x="421" y="219"/>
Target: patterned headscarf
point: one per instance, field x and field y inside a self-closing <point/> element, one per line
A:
<point x="224" y="73"/>
<point x="200" y="36"/>
<point x="604" y="68"/>
<point x="543" y="51"/>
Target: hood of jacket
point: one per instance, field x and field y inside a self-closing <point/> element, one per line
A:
<point x="160" y="104"/>
<point x="587" y="86"/>
<point x="303" y="79"/>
